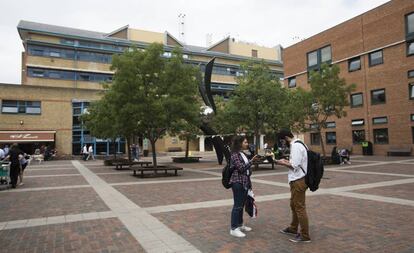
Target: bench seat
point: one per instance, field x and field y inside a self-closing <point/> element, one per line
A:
<point x="155" y="170"/>
<point x="399" y="151"/>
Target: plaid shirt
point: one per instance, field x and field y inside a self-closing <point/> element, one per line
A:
<point x="241" y="171"/>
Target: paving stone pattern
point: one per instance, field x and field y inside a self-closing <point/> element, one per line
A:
<point x="117" y="212"/>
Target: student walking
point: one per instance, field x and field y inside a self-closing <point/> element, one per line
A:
<point x="90" y="153"/>
<point x="13" y="156"/>
<point x="297" y="164"/>
<point x="84" y="152"/>
<point x="241" y="183"/>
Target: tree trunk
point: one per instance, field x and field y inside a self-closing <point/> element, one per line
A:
<point x="187" y="146"/>
<point x="257" y="136"/>
<point x="128" y="149"/>
<point x="113" y="141"/>
<point x="322" y="145"/>
<point x="154" y="154"/>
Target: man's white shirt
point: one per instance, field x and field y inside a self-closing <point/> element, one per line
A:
<point x="298" y="158"/>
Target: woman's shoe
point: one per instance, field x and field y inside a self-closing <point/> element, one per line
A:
<point x="245" y="228"/>
<point x="237" y="233"/>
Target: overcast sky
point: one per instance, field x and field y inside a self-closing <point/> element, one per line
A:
<point x="265" y="22"/>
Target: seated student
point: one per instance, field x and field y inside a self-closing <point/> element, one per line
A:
<point x="345" y="157"/>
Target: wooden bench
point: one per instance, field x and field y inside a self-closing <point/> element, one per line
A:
<point x="183" y="159"/>
<point x="119" y="165"/>
<point x="257" y="163"/>
<point x="399" y="151"/>
<point x="160" y="168"/>
<point x="174" y="149"/>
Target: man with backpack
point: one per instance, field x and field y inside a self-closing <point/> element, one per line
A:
<point x="298" y="167"/>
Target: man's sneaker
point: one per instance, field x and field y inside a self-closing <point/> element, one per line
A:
<point x="287" y="231"/>
<point x="237" y="233"/>
<point x="299" y="238"/>
<point x="245" y="228"/>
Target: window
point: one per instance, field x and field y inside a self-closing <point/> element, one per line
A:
<point x="38" y="73"/>
<point x="358" y="136"/>
<point x="411" y="90"/>
<point x="254" y="53"/>
<point x="378" y="96"/>
<point x="330" y="137"/>
<point x="315" y="139"/>
<point x="412" y="117"/>
<point x="312" y="58"/>
<point x="381" y="136"/>
<point x="314" y="126"/>
<point x="409" y="25"/>
<point x="326" y="55"/>
<point x="380" y="120"/>
<point x="357" y="122"/>
<point x="292" y="82"/>
<point x="330" y="124"/>
<point x="54" y="53"/>
<point x="410" y="48"/>
<point x="411" y="74"/>
<point x="357" y="100"/>
<point x="53" y="74"/>
<point x="375" y="58"/>
<point x="354" y="64"/>
<point x="24" y="107"/>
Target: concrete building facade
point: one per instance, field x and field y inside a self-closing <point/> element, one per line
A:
<point x="63" y="70"/>
<point x="374" y="50"/>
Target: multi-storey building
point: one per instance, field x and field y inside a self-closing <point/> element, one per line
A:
<point x="374" y="50"/>
<point x="63" y="70"/>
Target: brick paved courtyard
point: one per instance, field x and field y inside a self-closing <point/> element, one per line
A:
<point x="74" y="206"/>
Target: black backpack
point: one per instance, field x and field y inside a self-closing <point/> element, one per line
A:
<point x="226" y="175"/>
<point x="315" y="169"/>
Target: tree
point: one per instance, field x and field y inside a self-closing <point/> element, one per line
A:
<point x="329" y="95"/>
<point x="151" y="95"/>
<point x="249" y="106"/>
<point x="99" y="120"/>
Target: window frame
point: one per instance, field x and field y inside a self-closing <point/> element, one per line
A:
<point x="411" y="91"/>
<point x="21" y="107"/>
<point x="407" y="34"/>
<point x="378" y="103"/>
<point x="351" y="60"/>
<point x="378" y="118"/>
<point x="410" y="73"/>
<point x="326" y="138"/>
<point x="359" y="131"/>
<point x="357" y="120"/>
<point x="374" y="131"/>
<point x="291" y="79"/>
<point x="362" y="102"/>
<point x="409" y="43"/>
<point x="313" y="142"/>
<point x="371" y="64"/>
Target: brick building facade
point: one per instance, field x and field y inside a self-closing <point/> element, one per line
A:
<point x="374" y="50"/>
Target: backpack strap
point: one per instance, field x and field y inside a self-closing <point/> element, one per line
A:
<point x="306" y="150"/>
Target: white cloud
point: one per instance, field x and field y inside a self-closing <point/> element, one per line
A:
<point x="266" y="22"/>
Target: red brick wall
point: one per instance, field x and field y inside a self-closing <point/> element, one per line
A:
<point x="374" y="29"/>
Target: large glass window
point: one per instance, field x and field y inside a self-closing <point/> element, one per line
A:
<point x="24" y="107"/>
<point x="411" y="90"/>
<point x="378" y="96"/>
<point x="357" y="100"/>
<point x="381" y="136"/>
<point x="68" y="75"/>
<point x="354" y="64"/>
<point x="330" y="137"/>
<point x="292" y="82"/>
<point x="319" y="56"/>
<point x="375" y="58"/>
<point x="315" y="139"/>
<point x="358" y="136"/>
